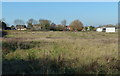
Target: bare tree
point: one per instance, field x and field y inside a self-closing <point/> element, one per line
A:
<point x="32" y="21"/>
<point x="64" y="22"/>
<point x="19" y="22"/>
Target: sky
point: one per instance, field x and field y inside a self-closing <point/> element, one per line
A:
<point x="60" y="0"/>
<point x="89" y="13"/>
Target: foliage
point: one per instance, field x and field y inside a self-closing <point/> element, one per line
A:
<point x="86" y="28"/>
<point x="53" y="26"/>
<point x="30" y="23"/>
<point x="45" y="24"/>
<point x="91" y="28"/>
<point x="77" y="25"/>
<point x="29" y="26"/>
<point x="60" y="28"/>
<point x="12" y="45"/>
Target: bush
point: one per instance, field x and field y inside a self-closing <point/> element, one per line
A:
<point x="9" y="46"/>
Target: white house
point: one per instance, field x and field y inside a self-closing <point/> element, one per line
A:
<point x="106" y="29"/>
<point x="20" y="27"/>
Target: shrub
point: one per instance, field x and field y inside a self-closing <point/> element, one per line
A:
<point x="12" y="45"/>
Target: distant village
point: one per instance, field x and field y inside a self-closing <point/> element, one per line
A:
<point x="45" y="25"/>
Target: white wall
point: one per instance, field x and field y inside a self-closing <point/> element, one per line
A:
<point x="99" y="30"/>
<point x="110" y="29"/>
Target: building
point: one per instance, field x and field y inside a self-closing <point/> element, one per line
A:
<point x="68" y="28"/>
<point x="110" y="29"/>
<point x="21" y="27"/>
<point x="106" y="29"/>
<point x="3" y="25"/>
<point x="99" y="29"/>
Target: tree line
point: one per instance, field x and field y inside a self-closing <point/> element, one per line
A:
<point x="47" y="25"/>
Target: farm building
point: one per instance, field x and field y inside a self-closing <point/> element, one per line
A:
<point x="106" y="29"/>
<point x="21" y="27"/>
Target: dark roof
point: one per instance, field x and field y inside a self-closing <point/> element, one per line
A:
<point x="20" y="26"/>
<point x="3" y="25"/>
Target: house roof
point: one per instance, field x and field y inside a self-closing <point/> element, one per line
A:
<point x="20" y="26"/>
<point x="108" y="26"/>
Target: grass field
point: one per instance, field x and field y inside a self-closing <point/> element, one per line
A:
<point x="37" y="52"/>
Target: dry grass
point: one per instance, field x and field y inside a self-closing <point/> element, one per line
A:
<point x="61" y="52"/>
